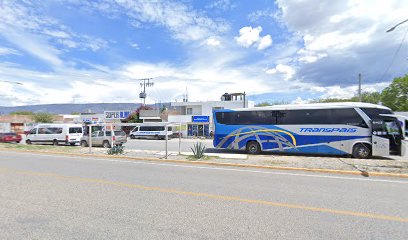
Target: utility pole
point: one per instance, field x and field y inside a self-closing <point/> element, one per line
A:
<point x="145" y="82"/>
<point x="359" y="88"/>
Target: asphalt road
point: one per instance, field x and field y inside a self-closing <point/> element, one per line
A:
<point x="60" y="197"/>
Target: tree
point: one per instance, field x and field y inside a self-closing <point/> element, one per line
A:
<point x="266" y="103"/>
<point x="22" y="113"/>
<point x="330" y="100"/>
<point x="395" y="96"/>
<point x="263" y="104"/>
<point x="134" y="117"/>
<point x="374" y="97"/>
<point x="43" y="118"/>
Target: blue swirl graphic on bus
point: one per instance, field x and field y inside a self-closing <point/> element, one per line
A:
<point x="238" y="138"/>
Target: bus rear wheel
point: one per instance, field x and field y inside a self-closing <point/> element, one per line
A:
<point x="361" y="151"/>
<point x="253" y="147"/>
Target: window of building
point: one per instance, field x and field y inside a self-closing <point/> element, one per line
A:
<point x="189" y="111"/>
<point x="217" y="108"/>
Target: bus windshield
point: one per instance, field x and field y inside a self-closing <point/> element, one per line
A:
<point x="393" y="127"/>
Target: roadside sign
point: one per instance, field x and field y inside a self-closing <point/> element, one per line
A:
<point x="116" y="114"/>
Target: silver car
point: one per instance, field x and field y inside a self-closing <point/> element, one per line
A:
<point x="105" y="138"/>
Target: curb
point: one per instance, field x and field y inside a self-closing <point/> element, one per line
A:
<point x="319" y="170"/>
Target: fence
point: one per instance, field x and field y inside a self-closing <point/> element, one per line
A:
<point x="112" y="126"/>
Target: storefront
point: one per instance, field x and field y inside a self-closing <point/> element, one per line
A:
<point x="199" y="126"/>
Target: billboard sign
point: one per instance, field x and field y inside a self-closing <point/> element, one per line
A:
<point x="116" y="114"/>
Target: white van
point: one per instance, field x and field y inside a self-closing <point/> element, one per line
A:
<point x="151" y="132"/>
<point x="55" y="134"/>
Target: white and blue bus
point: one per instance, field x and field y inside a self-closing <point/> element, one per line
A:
<point x="358" y="129"/>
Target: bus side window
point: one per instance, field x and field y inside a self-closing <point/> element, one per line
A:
<point x="406" y="128"/>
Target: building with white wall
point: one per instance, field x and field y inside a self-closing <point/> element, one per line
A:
<point x="197" y="117"/>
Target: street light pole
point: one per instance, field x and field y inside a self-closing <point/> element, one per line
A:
<point x="393" y="28"/>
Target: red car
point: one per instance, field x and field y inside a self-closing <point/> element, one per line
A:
<point x="10" y="137"/>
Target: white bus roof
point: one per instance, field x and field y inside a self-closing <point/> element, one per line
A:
<point x="316" y="106"/>
<point x="58" y="125"/>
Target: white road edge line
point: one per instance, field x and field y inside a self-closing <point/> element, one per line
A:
<point x="227" y="169"/>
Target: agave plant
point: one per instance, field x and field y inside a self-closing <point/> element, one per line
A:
<point x="198" y="150"/>
<point x="116" y="150"/>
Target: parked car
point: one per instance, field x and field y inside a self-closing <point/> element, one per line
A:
<point x="10" y="137"/>
<point x="151" y="131"/>
<point x="55" y="134"/>
<point x="105" y="138"/>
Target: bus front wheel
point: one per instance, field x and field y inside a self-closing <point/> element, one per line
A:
<point x="253" y="147"/>
<point x="361" y="151"/>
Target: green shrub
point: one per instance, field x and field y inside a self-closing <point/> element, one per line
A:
<point x="198" y="150"/>
<point x="116" y="150"/>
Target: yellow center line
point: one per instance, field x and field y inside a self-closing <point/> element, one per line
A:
<point x="206" y="195"/>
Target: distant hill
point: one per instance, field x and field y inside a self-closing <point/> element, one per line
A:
<point x="69" y="108"/>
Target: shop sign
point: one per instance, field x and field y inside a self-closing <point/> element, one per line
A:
<point x="116" y="114"/>
<point x="200" y="118"/>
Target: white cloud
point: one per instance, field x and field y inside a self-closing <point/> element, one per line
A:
<point x="207" y="75"/>
<point x="342" y="38"/>
<point x="282" y="69"/>
<point x="8" y="51"/>
<point x="34" y="45"/>
<point x="265" y="42"/>
<point x="57" y="33"/>
<point x="221" y="4"/>
<point x="183" y="22"/>
<point x="308" y="56"/>
<point x="26" y="26"/>
<point x="212" y="41"/>
<point x="299" y="100"/>
<point x="135" y="45"/>
<point x="340" y="92"/>
<point x="249" y="36"/>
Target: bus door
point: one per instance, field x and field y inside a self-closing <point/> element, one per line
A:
<point x="380" y="141"/>
<point x="403" y="121"/>
<point x="391" y="129"/>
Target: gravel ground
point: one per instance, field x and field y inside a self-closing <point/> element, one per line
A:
<point x="390" y="165"/>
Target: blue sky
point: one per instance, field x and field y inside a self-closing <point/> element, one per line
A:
<point x="74" y="51"/>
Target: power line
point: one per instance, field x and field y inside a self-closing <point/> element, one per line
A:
<point x="395" y="55"/>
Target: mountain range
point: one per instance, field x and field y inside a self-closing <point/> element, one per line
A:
<point x="69" y="108"/>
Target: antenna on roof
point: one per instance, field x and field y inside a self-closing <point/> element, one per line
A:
<point x="185" y="96"/>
